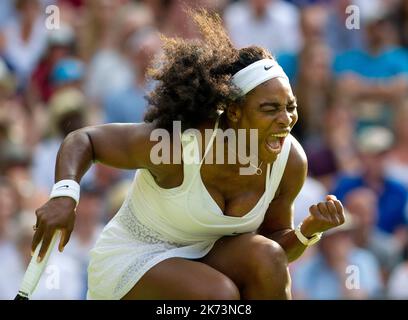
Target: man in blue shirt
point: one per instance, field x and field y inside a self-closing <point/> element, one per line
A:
<point x="392" y="196"/>
<point x="373" y="80"/>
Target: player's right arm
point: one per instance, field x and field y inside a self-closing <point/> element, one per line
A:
<point x="125" y="146"/>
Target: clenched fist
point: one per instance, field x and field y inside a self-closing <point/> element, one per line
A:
<point x="323" y="216"/>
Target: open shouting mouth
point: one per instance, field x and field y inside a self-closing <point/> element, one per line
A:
<point x="274" y="142"/>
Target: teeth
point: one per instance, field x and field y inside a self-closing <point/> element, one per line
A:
<point x="280" y="135"/>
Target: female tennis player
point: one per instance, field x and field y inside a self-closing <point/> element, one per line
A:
<point x="197" y="229"/>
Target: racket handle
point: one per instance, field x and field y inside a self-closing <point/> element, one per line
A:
<point x="35" y="270"/>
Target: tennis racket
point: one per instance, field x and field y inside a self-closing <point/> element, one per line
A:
<point x="35" y="270"/>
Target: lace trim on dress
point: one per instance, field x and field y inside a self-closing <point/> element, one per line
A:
<point x="147" y="245"/>
<point x="138" y="230"/>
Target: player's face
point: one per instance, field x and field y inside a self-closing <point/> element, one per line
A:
<point x="271" y="109"/>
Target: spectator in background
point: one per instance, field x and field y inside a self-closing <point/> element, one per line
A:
<point x="362" y="205"/>
<point x="310" y="72"/>
<point x="170" y="17"/>
<point x="16" y="120"/>
<point x="396" y="163"/>
<point x="24" y="39"/>
<point x="370" y="81"/>
<point x="272" y="24"/>
<point x="71" y="73"/>
<point x="17" y="138"/>
<point x="401" y="18"/>
<point x="67" y="73"/>
<point x="14" y="114"/>
<point x="115" y="198"/>
<point x="312" y="192"/>
<point x="128" y="105"/>
<point x="398" y="282"/>
<point x="174" y="22"/>
<point x="313" y="91"/>
<point x="97" y="30"/>
<point x="88" y="225"/>
<point x="312" y="22"/>
<point x="159" y="10"/>
<point x="337" y="36"/>
<point x="15" y="162"/>
<point x="372" y="143"/>
<point x="7" y="11"/>
<point x="334" y="151"/>
<point x="109" y="69"/>
<point x="68" y="112"/>
<point x="9" y="258"/>
<point x="6" y="81"/>
<point x="60" y="45"/>
<point x="327" y="275"/>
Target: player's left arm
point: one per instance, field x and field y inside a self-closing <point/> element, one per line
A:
<point x="278" y="222"/>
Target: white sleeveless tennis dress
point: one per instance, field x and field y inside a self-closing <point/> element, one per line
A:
<point x="155" y="224"/>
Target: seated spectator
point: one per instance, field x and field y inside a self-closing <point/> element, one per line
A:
<point x="337" y="36"/>
<point x="7" y="81"/>
<point x="362" y="205"/>
<point x="313" y="90"/>
<point x="24" y="39"/>
<point x="396" y="163"/>
<point x="15" y="162"/>
<point x="15" y="116"/>
<point x="129" y="104"/>
<point x="115" y="198"/>
<point x="97" y="28"/>
<point x="398" y="282"/>
<point x="60" y="45"/>
<point x="272" y="24"/>
<point x="68" y="72"/>
<point x="7" y="12"/>
<point x="9" y="208"/>
<point x="109" y="69"/>
<point x="392" y="196"/>
<point x="309" y="71"/>
<point x="334" y="151"/>
<point x="371" y="81"/>
<point x="339" y="270"/>
<point x="68" y="112"/>
<point x="88" y="225"/>
<point x="341" y="38"/>
<point x="312" y="23"/>
<point x="312" y="192"/>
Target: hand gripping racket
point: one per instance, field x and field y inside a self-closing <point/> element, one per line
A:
<point x="35" y="270"/>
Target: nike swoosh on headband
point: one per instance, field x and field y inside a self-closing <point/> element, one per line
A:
<point x="267" y="67"/>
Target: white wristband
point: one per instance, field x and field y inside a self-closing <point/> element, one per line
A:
<point x="307" y="241"/>
<point x="66" y="188"/>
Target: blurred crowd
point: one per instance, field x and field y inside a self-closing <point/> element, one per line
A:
<point x="347" y="61"/>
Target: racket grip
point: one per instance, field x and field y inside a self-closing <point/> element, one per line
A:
<point x="35" y="269"/>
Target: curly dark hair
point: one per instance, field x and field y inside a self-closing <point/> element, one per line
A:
<point x="194" y="76"/>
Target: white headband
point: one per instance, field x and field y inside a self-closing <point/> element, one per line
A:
<point x="257" y="73"/>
